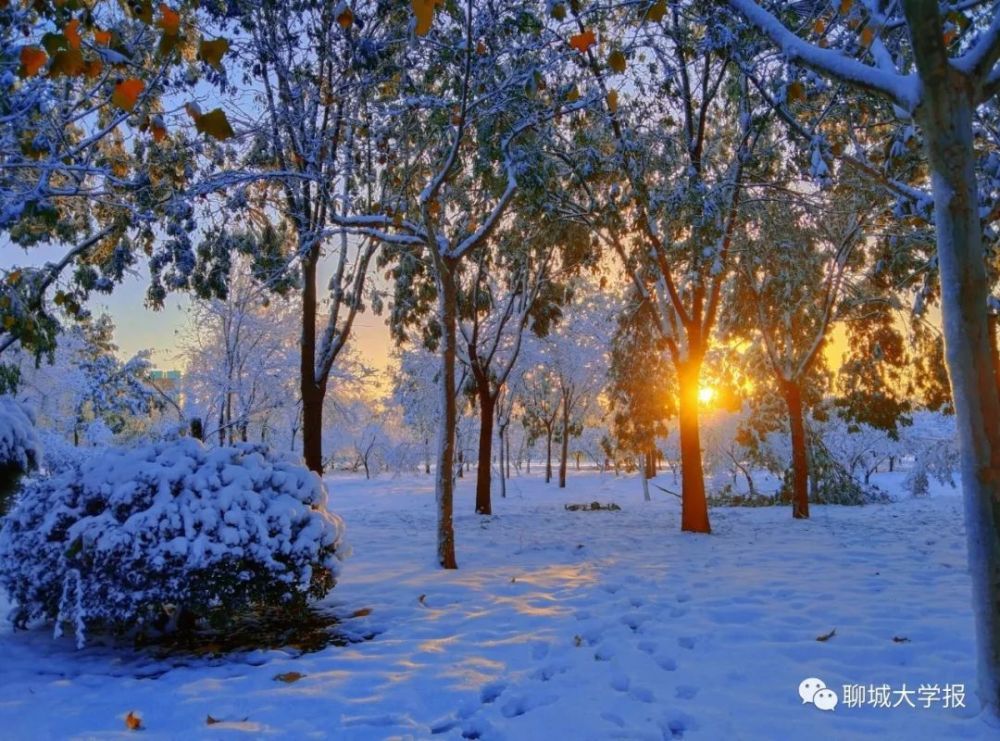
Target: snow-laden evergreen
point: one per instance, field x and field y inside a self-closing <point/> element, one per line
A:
<point x="116" y="539"/>
<point x="19" y="444"/>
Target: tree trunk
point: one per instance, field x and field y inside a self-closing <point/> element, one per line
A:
<point x="548" y="454"/>
<point x="800" y="458"/>
<point x="564" y="451"/>
<point x="427" y="456"/>
<point x="312" y="393"/>
<point x="694" y="505"/>
<point x="504" y="461"/>
<point x="484" y="469"/>
<point x="995" y="347"/>
<point x="946" y="118"/>
<point x="445" y="484"/>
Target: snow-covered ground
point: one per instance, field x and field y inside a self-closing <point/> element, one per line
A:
<point x="569" y="625"/>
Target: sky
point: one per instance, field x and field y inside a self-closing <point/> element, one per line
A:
<point x="140" y="328"/>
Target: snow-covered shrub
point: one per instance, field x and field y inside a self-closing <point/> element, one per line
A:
<point x="917" y="482"/>
<point x="20" y="451"/>
<point x="19" y="445"/>
<point x="60" y="454"/>
<point x="118" y="539"/>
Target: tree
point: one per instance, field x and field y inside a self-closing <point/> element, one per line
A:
<point x="468" y="120"/>
<point x="676" y="188"/>
<point x="941" y="96"/>
<point x="87" y="163"/>
<point x="794" y="265"/>
<point x="577" y="361"/>
<point x="315" y="65"/>
<point x="641" y="389"/>
<point x="240" y="354"/>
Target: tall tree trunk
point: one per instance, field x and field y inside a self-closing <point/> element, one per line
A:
<point x="800" y="458"/>
<point x="445" y="484"/>
<point x="694" y="505"/>
<point x="649" y="460"/>
<point x="505" y="436"/>
<point x="312" y="393"/>
<point x="504" y="461"/>
<point x="487" y="411"/>
<point x="564" y="451"/>
<point x="427" y="455"/>
<point x="548" y="454"/>
<point x="946" y="118"/>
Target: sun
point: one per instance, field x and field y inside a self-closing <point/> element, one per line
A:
<point x="706" y="395"/>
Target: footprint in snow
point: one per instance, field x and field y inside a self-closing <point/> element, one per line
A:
<point x="491" y="692"/>
<point x="666" y="663"/>
<point x="520" y="705"/>
<point x="620" y="682"/>
<point x="642" y="694"/>
<point x="685" y="642"/>
<point x="686" y="692"/>
<point x="648" y="647"/>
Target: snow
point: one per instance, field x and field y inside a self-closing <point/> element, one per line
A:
<point x="131" y="529"/>
<point x="902" y="89"/>
<point x="565" y="624"/>
<point x="18" y="440"/>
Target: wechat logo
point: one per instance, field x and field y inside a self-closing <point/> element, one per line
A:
<point x="815" y="692"/>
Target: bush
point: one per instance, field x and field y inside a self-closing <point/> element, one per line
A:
<point x="831" y="483"/>
<point x="122" y="537"/>
<point x="20" y="451"/>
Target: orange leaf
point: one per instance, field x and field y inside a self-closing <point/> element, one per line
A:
<point x="127" y="93"/>
<point x="424" y="12"/>
<point x="289" y="677"/>
<point x="845" y="6"/>
<point x="480" y="47"/>
<point x="819" y="26"/>
<point x="68" y="62"/>
<point x="32" y="60"/>
<point x="583" y="41"/>
<point x="170" y="20"/>
<point x="867" y="36"/>
<point x="613" y="101"/>
<point x="102" y="38"/>
<point x="157" y="128"/>
<point x="345" y="18"/>
<point x="133" y="722"/>
<point x="93" y="68"/>
<point x="72" y="33"/>
<point x="796" y="91"/>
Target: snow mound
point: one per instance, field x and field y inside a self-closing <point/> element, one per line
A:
<point x="117" y="539"/>
<point x="19" y="444"/>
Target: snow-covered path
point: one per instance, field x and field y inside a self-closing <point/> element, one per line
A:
<point x="581" y="625"/>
